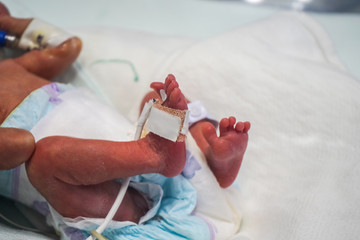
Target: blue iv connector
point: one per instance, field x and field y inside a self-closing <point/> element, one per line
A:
<point x="8" y="40"/>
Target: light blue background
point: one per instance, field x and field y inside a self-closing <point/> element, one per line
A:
<point x="191" y="18"/>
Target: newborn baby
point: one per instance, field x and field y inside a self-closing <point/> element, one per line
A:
<point x="78" y="177"/>
<point x="75" y="175"/>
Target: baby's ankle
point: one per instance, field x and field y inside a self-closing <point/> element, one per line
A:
<point x="170" y="156"/>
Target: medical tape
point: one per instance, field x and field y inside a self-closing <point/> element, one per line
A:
<point x="40" y="35"/>
<point x="198" y="112"/>
<point x="168" y="123"/>
<point x="163" y="95"/>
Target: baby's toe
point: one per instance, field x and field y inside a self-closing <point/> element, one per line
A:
<point x="176" y="100"/>
<point x="247" y="126"/>
<point x="169" y="79"/>
<point x="239" y="127"/>
<point x="173" y="85"/>
<point x="223" y="125"/>
<point x="232" y="121"/>
<point x="173" y="98"/>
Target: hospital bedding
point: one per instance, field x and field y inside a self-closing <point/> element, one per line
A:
<point x="300" y="173"/>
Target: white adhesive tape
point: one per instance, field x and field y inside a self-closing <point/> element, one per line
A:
<point x="164" y="124"/>
<point x="198" y="112"/>
<point x="163" y="95"/>
<point x="40" y="35"/>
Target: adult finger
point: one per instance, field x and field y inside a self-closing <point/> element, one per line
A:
<point x="16" y="147"/>
<point x="48" y="63"/>
<point x="45" y="63"/>
<point x="15" y="26"/>
<point x="3" y="10"/>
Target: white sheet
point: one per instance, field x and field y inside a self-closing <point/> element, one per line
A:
<point x="300" y="173"/>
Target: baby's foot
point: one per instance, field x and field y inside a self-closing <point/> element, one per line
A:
<point x="172" y="154"/>
<point x="225" y="153"/>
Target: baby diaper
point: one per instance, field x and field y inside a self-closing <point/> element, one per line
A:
<point x="58" y="109"/>
<point x="26" y="116"/>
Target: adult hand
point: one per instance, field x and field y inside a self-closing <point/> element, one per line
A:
<point x="18" y="78"/>
<point x="16" y="146"/>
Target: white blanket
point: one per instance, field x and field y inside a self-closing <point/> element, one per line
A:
<point x="300" y="173"/>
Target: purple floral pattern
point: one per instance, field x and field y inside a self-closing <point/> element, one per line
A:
<point x="42" y="207"/>
<point x="191" y="166"/>
<point x="53" y="91"/>
<point x="74" y="234"/>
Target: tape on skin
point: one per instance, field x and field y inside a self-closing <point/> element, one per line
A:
<point x="40" y="35"/>
<point x="168" y="123"/>
<point x="198" y="112"/>
<point x="163" y="95"/>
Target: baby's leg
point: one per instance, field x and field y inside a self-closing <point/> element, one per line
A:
<point x="75" y="175"/>
<point x="223" y="153"/>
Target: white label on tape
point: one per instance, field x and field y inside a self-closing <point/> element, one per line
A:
<point x="164" y="124"/>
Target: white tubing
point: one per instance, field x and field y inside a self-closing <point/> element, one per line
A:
<point x="144" y="115"/>
<point x="113" y="209"/>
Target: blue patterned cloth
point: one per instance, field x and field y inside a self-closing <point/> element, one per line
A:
<point x="173" y="199"/>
